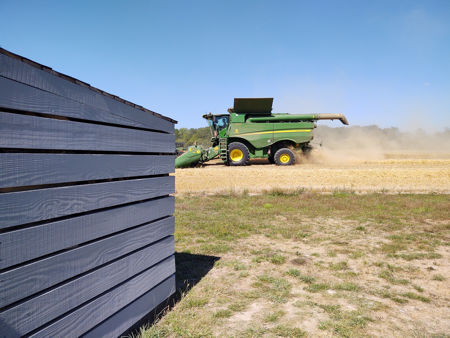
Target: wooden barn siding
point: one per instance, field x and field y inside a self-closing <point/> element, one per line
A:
<point x="86" y="225"/>
<point x="99" y="107"/>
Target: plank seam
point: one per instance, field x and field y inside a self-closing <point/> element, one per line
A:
<point x="87" y="152"/>
<point x="58" y="252"/>
<point x="11" y="305"/>
<point x="92" y="299"/>
<point x="32" y="224"/>
<point x="75" y="183"/>
<point x="83" y="84"/>
<point x="60" y="117"/>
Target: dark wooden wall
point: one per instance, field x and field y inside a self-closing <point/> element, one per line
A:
<point x="86" y="225"/>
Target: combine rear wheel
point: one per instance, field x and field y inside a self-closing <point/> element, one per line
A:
<point x="237" y="154"/>
<point x="284" y="156"/>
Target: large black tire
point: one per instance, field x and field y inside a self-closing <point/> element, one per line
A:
<point x="284" y="156"/>
<point x="238" y="154"/>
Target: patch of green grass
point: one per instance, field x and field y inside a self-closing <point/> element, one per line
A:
<point x="293" y="272"/>
<point x="193" y="302"/>
<point x="268" y="255"/>
<point x="392" y="248"/>
<point x="318" y="287"/>
<point x="252" y="332"/>
<point x="334" y="310"/>
<point x="392" y="296"/>
<point x="286" y="331"/>
<point x="277" y="259"/>
<point x="301" y="234"/>
<point x="344" y="323"/>
<point x="274" y="316"/>
<point x="237" y="307"/>
<point x="343" y="265"/>
<point x="357" y="254"/>
<point x="274" y="288"/>
<point x="389" y="276"/>
<point x="417" y="255"/>
<point x="360" y="228"/>
<point x="215" y="248"/>
<point x="223" y="314"/>
<point x="417" y="287"/>
<point x="412" y="295"/>
<point x="347" y="286"/>
<point x="346" y="274"/>
<point x="439" y="277"/>
<point x="307" y="279"/>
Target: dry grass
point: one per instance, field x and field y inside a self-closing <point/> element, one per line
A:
<point x="399" y="174"/>
<point x="313" y="264"/>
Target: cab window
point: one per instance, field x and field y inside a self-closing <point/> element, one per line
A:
<point x="220" y="122"/>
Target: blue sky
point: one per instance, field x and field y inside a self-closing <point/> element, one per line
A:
<point x="379" y="62"/>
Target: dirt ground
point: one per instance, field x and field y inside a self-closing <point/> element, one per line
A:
<point x="310" y="264"/>
<point x="412" y="173"/>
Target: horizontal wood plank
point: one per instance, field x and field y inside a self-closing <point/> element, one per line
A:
<point x="19" y="96"/>
<point x="94" y="312"/>
<point x="42" y="204"/>
<point x="21" y="72"/>
<point x="125" y="318"/>
<point x="30" y="314"/>
<point x="21" y="245"/>
<point x="31" y="132"/>
<point x="28" y="279"/>
<point x="23" y="169"/>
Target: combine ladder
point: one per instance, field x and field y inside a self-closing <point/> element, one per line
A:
<point x="223" y="149"/>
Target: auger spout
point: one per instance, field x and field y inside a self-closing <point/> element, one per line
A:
<point x="340" y="117"/>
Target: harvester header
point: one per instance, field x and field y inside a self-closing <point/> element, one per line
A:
<point x="251" y="130"/>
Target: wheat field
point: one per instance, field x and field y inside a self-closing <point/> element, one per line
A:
<point x="394" y="173"/>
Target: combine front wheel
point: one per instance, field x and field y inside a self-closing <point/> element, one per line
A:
<point x="284" y="156"/>
<point x="237" y="154"/>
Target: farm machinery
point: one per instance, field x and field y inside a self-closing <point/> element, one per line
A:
<point x="250" y="130"/>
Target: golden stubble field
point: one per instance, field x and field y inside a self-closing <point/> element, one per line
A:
<point x="408" y="173"/>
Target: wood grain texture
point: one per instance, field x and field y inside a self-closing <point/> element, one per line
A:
<point x="25" y="244"/>
<point x="30" y="314"/>
<point x="21" y="72"/>
<point x="125" y="318"/>
<point x="28" y="279"/>
<point x="19" y="96"/>
<point x="86" y="317"/>
<point x="42" y="204"/>
<point x="31" y="132"/>
<point x="22" y="169"/>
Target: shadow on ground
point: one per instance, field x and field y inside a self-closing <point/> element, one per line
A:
<point x="190" y="269"/>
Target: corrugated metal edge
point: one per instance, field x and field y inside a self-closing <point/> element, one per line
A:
<point x="80" y="83"/>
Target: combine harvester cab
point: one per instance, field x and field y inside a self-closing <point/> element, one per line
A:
<point x="250" y="130"/>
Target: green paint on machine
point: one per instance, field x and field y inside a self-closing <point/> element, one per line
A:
<point x="250" y="130"/>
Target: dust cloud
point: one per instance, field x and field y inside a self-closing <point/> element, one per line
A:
<point x="356" y="143"/>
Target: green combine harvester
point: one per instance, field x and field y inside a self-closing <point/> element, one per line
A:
<point x="250" y="130"/>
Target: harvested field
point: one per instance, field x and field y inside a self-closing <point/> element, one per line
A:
<point x="411" y="173"/>
<point x="310" y="264"/>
